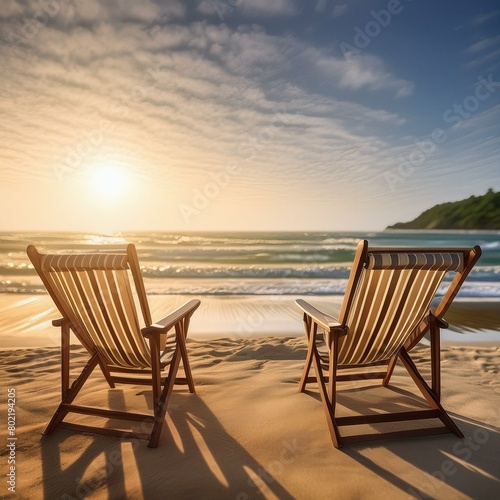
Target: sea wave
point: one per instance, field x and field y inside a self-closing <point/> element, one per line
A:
<point x="193" y="269"/>
<point x="244" y="263"/>
<point x="244" y="272"/>
<point x="251" y="286"/>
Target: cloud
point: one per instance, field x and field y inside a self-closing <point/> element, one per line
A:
<point x="484" y="44"/>
<point x="91" y="11"/>
<point x="491" y="57"/>
<point x="363" y="71"/>
<point x="483" y="18"/>
<point x="248" y="8"/>
<point x="320" y="6"/>
<point x="485" y="51"/>
<point x="256" y="8"/>
<point x="178" y="99"/>
<point x="339" y="10"/>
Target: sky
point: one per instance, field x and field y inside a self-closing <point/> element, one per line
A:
<point x="272" y="115"/>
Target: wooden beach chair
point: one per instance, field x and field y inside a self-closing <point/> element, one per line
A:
<point x="95" y="297"/>
<point x="385" y="313"/>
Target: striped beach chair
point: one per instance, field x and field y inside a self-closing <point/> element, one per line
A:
<point x="386" y="311"/>
<point x="102" y="306"/>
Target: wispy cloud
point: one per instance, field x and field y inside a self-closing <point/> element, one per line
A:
<point x="175" y="96"/>
<point x="479" y="19"/>
<point x="485" y="51"/>
<point x="363" y="71"/>
<point x="484" y="44"/>
<point x="183" y="100"/>
<point x="340" y="9"/>
<point x="266" y="8"/>
<point x="249" y="8"/>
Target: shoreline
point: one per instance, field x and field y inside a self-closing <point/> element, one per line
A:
<point x="25" y="320"/>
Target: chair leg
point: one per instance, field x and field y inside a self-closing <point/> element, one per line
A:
<point x="327" y="393"/>
<point x="390" y="370"/>
<point x="71" y="394"/>
<point x="154" y="343"/>
<point x="181" y="335"/>
<point x="332" y="394"/>
<point x="327" y="405"/>
<point x="435" y="359"/>
<point x="428" y="393"/>
<point x="65" y="356"/>
<point x="107" y="374"/>
<point x="161" y="405"/>
<point x="311" y="329"/>
<point x="66" y="329"/>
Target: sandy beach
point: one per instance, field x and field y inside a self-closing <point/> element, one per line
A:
<point x="244" y="155"/>
<point x="247" y="433"/>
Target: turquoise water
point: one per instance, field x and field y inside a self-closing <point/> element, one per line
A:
<point x="246" y="263"/>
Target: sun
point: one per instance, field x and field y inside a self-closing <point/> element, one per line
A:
<point x="110" y="183"/>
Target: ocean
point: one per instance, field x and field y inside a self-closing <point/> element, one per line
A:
<point x="246" y="263"/>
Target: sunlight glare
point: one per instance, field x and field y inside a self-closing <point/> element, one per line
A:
<point x="109" y="182"/>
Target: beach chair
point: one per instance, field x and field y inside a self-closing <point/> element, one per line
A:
<point x="95" y="296"/>
<point x="386" y="311"/>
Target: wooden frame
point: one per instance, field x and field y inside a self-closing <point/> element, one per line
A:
<point x="161" y="376"/>
<point x="327" y="370"/>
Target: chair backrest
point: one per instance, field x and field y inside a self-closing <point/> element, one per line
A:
<point x="94" y="293"/>
<point x="389" y="296"/>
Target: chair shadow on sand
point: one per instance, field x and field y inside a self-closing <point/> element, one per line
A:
<point x="443" y="465"/>
<point x="195" y="458"/>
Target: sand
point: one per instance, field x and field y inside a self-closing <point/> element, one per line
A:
<point x="248" y="433"/>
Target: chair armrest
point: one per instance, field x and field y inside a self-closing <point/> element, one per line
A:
<point x="173" y="318"/>
<point x="58" y="322"/>
<point x="423" y="328"/>
<point x="441" y="322"/>
<point x="329" y="323"/>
